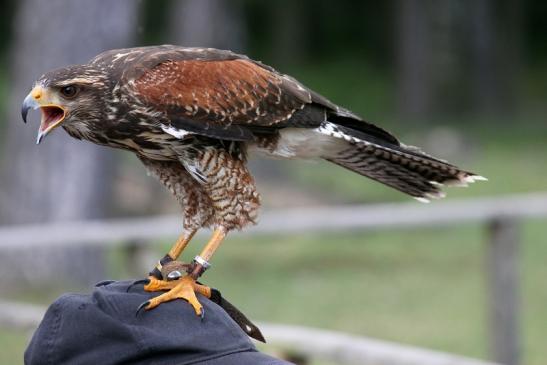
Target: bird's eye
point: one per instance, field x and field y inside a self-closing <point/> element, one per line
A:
<point x="69" y="91"/>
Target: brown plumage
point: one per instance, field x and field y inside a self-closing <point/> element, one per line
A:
<point x="193" y="115"/>
<point x="221" y="92"/>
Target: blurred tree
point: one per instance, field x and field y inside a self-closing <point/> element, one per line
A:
<point x="289" y="28"/>
<point x="208" y="23"/>
<point x="457" y="57"/>
<point x="62" y="179"/>
<point x="496" y="43"/>
<point x="414" y="53"/>
<point x="6" y="9"/>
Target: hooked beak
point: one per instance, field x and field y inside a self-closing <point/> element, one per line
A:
<point x="28" y="103"/>
<point x="52" y="114"/>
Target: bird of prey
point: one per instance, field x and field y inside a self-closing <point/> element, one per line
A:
<point x="194" y="115"/>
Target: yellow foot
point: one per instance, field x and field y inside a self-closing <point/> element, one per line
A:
<point x="183" y="288"/>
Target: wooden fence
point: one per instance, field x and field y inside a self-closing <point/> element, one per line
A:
<point x="501" y="215"/>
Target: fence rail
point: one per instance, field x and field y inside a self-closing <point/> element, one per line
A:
<point x="500" y="214"/>
<point x="318" y="219"/>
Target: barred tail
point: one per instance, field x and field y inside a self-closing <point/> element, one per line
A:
<point x="404" y="168"/>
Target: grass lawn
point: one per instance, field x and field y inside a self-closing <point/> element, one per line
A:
<point x="420" y="287"/>
<point x="12" y="346"/>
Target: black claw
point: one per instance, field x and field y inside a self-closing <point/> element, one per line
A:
<point x="137" y="282"/>
<point x="257" y="335"/>
<point x="202" y="315"/>
<point x="141" y="307"/>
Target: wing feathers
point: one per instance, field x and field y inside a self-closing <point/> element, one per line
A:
<point x="179" y="127"/>
<point x="221" y="92"/>
<point x="399" y="167"/>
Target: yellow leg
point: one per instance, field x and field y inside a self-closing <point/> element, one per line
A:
<point x="181" y="244"/>
<point x="202" y="261"/>
<point x="174" y="252"/>
<point x="186" y="287"/>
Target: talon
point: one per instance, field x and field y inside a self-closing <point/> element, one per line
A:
<point x="137" y="282"/>
<point x="184" y="288"/>
<point x="141" y="307"/>
<point x="202" y="315"/>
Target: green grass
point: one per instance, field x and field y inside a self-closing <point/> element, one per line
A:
<point x="12" y="346"/>
<point x="404" y="286"/>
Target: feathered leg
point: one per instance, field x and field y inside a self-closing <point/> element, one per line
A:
<point x="197" y="210"/>
<point x="233" y="197"/>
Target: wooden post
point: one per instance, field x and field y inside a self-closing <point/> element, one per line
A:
<point x="503" y="281"/>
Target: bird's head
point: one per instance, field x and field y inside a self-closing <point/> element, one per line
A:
<point x="72" y="96"/>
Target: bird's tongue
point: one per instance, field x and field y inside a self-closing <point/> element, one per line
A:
<point x="50" y="116"/>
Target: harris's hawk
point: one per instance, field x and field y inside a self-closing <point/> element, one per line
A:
<point x="193" y="115"/>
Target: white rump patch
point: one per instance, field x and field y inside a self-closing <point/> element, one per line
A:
<point x="321" y="142"/>
<point x="330" y="129"/>
<point x="304" y="143"/>
<point x="177" y="133"/>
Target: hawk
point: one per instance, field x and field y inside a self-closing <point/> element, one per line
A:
<point x="194" y="115"/>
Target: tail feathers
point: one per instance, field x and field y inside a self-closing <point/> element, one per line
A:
<point x="404" y="168"/>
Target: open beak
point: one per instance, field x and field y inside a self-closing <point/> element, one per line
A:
<point x="52" y="114"/>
